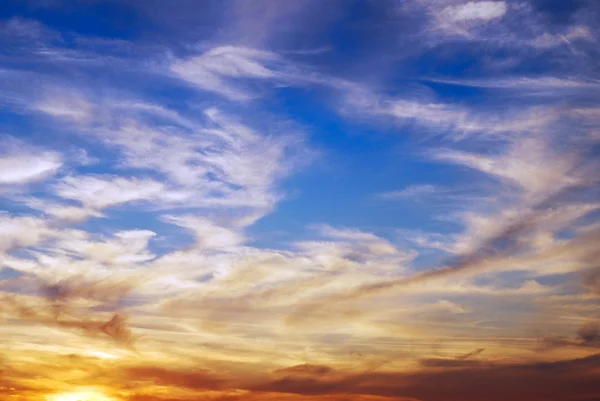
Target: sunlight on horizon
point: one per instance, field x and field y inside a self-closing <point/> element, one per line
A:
<point x="85" y="395"/>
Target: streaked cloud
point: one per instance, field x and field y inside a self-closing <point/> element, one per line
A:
<point x="210" y="70"/>
<point x="98" y="192"/>
<point x="23" y="164"/>
<point x="474" y="10"/>
<point x="413" y="191"/>
<point x="18" y="232"/>
<point x="67" y="106"/>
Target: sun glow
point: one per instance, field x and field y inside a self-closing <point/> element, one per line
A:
<point x="89" y="395"/>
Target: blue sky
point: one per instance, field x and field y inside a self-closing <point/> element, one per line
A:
<point x="201" y="144"/>
<point x="375" y="116"/>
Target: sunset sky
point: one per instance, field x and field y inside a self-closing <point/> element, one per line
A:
<point x="299" y="200"/>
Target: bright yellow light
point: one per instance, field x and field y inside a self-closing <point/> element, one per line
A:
<point x="80" y="396"/>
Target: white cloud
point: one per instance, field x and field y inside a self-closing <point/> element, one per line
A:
<point x="524" y="83"/>
<point x="434" y="114"/>
<point x="157" y="111"/>
<point x="61" y="212"/>
<point x="98" y="192"/>
<point x="124" y="248"/>
<point x="475" y="10"/>
<point x="70" y="214"/>
<point x="221" y="164"/>
<point x="579" y="32"/>
<point x="413" y="191"/>
<point x="21" y="231"/>
<point x="22" y="164"/>
<point x="65" y="105"/>
<point x="464" y="20"/>
<point x="548" y="40"/>
<point x="209" y="235"/>
<point x="485" y="22"/>
<point x="21" y="27"/>
<point x="23" y="169"/>
<point x="448" y="306"/>
<point x="539" y="238"/>
<point x="351" y="247"/>
<point x="444" y="197"/>
<point x="455" y="122"/>
<point x="525" y="164"/>
<point x="328" y="231"/>
<point x="424" y="239"/>
<point x="213" y="70"/>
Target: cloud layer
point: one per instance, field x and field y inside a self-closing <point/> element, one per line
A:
<point x="299" y="202"/>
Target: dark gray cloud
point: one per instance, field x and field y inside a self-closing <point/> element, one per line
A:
<point x="461" y="381"/>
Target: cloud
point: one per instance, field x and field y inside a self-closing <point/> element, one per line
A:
<point x="209" y="236"/>
<point x="520" y="83"/>
<point x="223" y="163"/>
<point x="197" y="379"/>
<point x="510" y="28"/>
<point x="243" y="74"/>
<point x="59" y="305"/>
<point x="18" y="232"/>
<point x="115" y="328"/>
<point x="560" y="380"/>
<point x="23" y="164"/>
<point x="464" y="20"/>
<point x="233" y="314"/>
<point x="126" y="248"/>
<point x="589" y="333"/>
<point x="59" y="211"/>
<point x="450" y="307"/>
<point x="471" y="354"/>
<point x="587" y="336"/>
<point x="548" y="40"/>
<point x="65" y="105"/>
<point x="474" y="10"/>
<point x="70" y="214"/>
<point x="213" y="69"/>
<point x="591" y="280"/>
<point x="524" y="164"/>
<point x="99" y="192"/>
<point x="62" y="293"/>
<point x="413" y="191"/>
<point x="507" y="244"/>
<point x="347" y="247"/>
<point x="445" y="120"/>
<point x="305" y="370"/>
<point x="23" y="169"/>
<point x="21" y="27"/>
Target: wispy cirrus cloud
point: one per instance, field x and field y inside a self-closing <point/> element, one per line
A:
<point x="97" y="192"/>
<point x="21" y="27"/>
<point x="212" y="70"/>
<point x="413" y="191"/>
<point x="474" y="10"/>
<point x="23" y="169"/>
<point x="24" y="164"/>
<point x="68" y="106"/>
<point x="18" y="232"/>
<point x="524" y="164"/>
<point x="526" y="84"/>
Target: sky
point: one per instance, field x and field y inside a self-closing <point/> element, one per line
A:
<point x="311" y="200"/>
